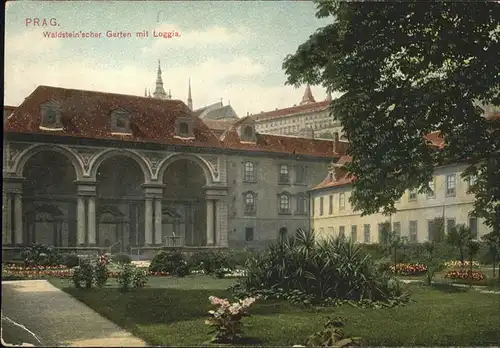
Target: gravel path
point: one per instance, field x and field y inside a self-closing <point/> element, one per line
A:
<point x="36" y="312"/>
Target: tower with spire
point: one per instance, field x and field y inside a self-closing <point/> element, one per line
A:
<point x="308" y="97"/>
<point x="159" y="92"/>
<point x="189" y="100"/>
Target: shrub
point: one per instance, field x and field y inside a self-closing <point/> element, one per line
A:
<point x="210" y="261"/>
<point x="126" y="277"/>
<point x="465" y="275"/>
<point x="100" y="274"/>
<point x="83" y="274"/>
<point x="182" y="270"/>
<point x="333" y="268"/>
<point x="332" y="336"/>
<point x="121" y="258"/>
<point x="71" y="260"/>
<point x="226" y="320"/>
<point x="166" y="262"/>
<point x="220" y="273"/>
<point x="140" y="278"/>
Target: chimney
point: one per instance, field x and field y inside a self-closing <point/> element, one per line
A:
<point x="307" y="133"/>
<point x="335" y="142"/>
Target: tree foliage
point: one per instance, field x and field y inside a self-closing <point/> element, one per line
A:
<point x="406" y="70"/>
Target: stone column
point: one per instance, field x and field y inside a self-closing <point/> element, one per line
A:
<point x="158" y="224"/>
<point x="210" y="222"/>
<point x="218" y="222"/>
<point x="148" y="221"/>
<point x="91" y="221"/>
<point x="6" y="217"/>
<point x="18" y="222"/>
<point x="80" y="221"/>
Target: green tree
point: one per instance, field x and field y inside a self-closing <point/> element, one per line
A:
<point x="395" y="241"/>
<point x="432" y="260"/>
<point x="458" y="237"/>
<point x="404" y="71"/>
<point x="492" y="240"/>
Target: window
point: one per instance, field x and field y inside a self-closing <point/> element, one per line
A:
<point x="450" y="185"/>
<point x="321" y="201"/>
<point x="249" y="203"/>
<point x="50" y="115"/>
<point x="120" y="121"/>
<point x="301" y="204"/>
<point x="284" y="203"/>
<point x="330" y="204"/>
<point x="432" y="186"/>
<point x="396" y="227"/>
<point x="471" y="181"/>
<point x="413" y="195"/>
<point x="284" y="177"/>
<point x="249" y="234"/>
<point x="413" y="232"/>
<point x="330" y="231"/>
<point x="183" y="128"/>
<point x="342" y="231"/>
<point x="366" y="234"/>
<point x="300" y="174"/>
<point x="354" y="233"/>
<point x="473" y="227"/>
<point x="283" y="232"/>
<point x="249" y="174"/>
<point x="341" y="201"/>
<point x="248" y="132"/>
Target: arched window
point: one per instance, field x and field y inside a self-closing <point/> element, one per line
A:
<point x="284" y="203"/>
<point x="249" y="174"/>
<point x="249" y="203"/>
<point x="184" y="128"/>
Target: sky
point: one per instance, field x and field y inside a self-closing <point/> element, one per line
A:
<point x="230" y="50"/>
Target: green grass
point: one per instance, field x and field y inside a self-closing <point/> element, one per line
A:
<point x="171" y="311"/>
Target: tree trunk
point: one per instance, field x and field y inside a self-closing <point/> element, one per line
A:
<point x="395" y="259"/>
<point x="461" y="256"/>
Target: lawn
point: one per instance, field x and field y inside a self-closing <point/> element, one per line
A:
<point x="171" y="311"/>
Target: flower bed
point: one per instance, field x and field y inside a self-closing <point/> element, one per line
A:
<point x="457" y="263"/>
<point x="408" y="269"/>
<point x="465" y="275"/>
<point x="59" y="271"/>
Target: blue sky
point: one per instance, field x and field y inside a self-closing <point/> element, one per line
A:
<point x="230" y="50"/>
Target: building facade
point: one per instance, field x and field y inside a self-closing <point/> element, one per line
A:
<point x="100" y="170"/>
<point x="309" y="118"/>
<point x="332" y="214"/>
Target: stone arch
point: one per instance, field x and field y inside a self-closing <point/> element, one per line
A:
<point x="205" y="167"/>
<point x="139" y="159"/>
<point x="24" y="156"/>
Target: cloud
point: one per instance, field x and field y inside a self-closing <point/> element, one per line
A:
<point x="30" y="43"/>
<point x="212" y="36"/>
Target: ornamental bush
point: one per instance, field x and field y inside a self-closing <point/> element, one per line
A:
<point x="121" y="258"/>
<point x="166" y="262"/>
<point x="317" y="272"/>
<point x="210" y="261"/>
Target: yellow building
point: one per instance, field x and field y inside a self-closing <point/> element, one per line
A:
<point x="332" y="214"/>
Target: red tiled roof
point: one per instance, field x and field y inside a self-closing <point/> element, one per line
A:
<point x="436" y="139"/>
<point x="87" y="114"/>
<point x="312" y="107"/>
<point x="7" y="109"/>
<point x="341" y="176"/>
<point x="277" y="143"/>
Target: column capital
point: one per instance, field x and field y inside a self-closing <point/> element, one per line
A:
<point x="153" y="190"/>
<point x="215" y="192"/>
<point x="86" y="188"/>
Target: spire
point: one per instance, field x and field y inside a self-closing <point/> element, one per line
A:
<point x="159" y="91"/>
<point x="145" y="92"/>
<point x="329" y="96"/>
<point x="149" y="93"/>
<point x="308" y="97"/>
<point x="169" y="96"/>
<point x="190" y="100"/>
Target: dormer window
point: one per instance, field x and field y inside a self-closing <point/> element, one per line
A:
<point x="120" y="121"/>
<point x="51" y="116"/>
<point x="184" y="127"/>
<point x="248" y="132"/>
